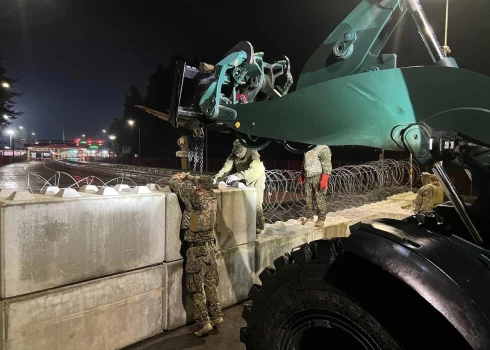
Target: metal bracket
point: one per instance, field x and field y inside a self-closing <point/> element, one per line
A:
<point x="344" y="47"/>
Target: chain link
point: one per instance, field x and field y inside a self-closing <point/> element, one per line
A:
<point x="196" y="149"/>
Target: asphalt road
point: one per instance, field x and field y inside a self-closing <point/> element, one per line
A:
<point x="225" y="336"/>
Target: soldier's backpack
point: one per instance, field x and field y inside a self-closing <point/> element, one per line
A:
<point x="203" y="217"/>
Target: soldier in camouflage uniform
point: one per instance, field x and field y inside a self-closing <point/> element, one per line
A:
<point x="249" y="169"/>
<point x="198" y="221"/>
<point x="317" y="167"/>
<point x="429" y="195"/>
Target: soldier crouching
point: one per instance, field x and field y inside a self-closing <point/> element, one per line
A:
<point x="198" y="221"/>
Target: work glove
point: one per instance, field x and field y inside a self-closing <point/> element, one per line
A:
<point x="324" y="181"/>
<point x="301" y="179"/>
<point x="231" y="178"/>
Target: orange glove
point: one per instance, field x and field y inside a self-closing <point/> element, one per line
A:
<point x="301" y="179"/>
<point x="324" y="181"/>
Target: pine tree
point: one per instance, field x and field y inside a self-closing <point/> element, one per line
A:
<point x="7" y="96"/>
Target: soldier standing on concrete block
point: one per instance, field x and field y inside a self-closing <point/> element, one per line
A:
<point x="249" y="169"/>
<point x="198" y="221"/>
<point x="317" y="167"/>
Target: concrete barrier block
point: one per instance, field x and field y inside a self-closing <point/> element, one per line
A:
<point x="122" y="188"/>
<point x="221" y="185"/>
<point x="235" y="222"/>
<point x="107" y="191"/>
<point x="173" y="233"/>
<point x="5" y="192"/>
<point x="273" y="244"/>
<point x="106" y="313"/>
<point x="67" y="193"/>
<point x="334" y="227"/>
<point x="236" y="269"/>
<point x="20" y="196"/>
<point x="88" y="189"/>
<point x="50" y="190"/>
<point x="153" y="187"/>
<point x="49" y="243"/>
<point x="236" y="217"/>
<point x="140" y="189"/>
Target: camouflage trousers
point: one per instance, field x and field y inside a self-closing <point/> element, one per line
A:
<point x="260" y="187"/>
<point x="202" y="280"/>
<point x="313" y="195"/>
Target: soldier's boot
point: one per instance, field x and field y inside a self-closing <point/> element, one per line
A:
<point x="320" y="223"/>
<point x="216" y="321"/>
<point x="205" y="329"/>
<point x="307" y="220"/>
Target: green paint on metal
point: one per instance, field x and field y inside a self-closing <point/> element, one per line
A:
<point x="363" y="109"/>
<point x="365" y="22"/>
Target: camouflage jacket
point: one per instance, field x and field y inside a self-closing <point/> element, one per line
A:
<point x="249" y="168"/>
<point x="317" y="161"/>
<point x="425" y="200"/>
<point x="202" y="204"/>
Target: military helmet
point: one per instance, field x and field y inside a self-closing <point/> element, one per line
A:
<point x="238" y="147"/>
<point x="205" y="181"/>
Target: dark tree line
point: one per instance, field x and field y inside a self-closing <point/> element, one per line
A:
<point x="158" y="138"/>
<point x="7" y="95"/>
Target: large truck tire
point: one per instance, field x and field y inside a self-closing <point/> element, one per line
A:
<point x="295" y="308"/>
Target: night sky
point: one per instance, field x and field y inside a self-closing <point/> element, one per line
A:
<point x="75" y="59"/>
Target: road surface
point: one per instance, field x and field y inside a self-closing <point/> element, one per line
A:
<point x="226" y="336"/>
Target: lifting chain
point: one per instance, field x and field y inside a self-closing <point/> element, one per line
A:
<point x="196" y="149"/>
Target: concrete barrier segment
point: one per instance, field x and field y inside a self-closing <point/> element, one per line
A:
<point x="122" y="188"/>
<point x="67" y="193"/>
<point x="140" y="189"/>
<point x="88" y="189"/>
<point x="20" y="196"/>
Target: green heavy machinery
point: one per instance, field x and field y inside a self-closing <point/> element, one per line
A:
<point x="418" y="283"/>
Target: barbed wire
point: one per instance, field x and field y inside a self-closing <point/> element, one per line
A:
<point x="349" y="186"/>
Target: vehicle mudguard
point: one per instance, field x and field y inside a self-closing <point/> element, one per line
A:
<point x="446" y="274"/>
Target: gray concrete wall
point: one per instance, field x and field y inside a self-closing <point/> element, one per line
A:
<point x="235" y="222"/>
<point x="50" y="242"/>
<point x="107" y="313"/>
<point x="236" y="267"/>
<point x="50" y="247"/>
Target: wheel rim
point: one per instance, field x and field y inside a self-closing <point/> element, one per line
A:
<point x="321" y="331"/>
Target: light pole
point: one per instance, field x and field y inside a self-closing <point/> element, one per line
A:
<point x="112" y="138"/>
<point x="131" y="122"/>
<point x="11" y="132"/>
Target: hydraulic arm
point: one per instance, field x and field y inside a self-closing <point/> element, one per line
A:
<point x="349" y="92"/>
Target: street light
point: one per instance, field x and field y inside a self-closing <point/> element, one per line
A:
<point x="33" y="134"/>
<point x="5" y="85"/>
<point x="6" y="117"/>
<point x="83" y="135"/>
<point x="21" y="127"/>
<point x="112" y="137"/>
<point x="104" y="131"/>
<point x="131" y="122"/>
<point x="11" y="132"/>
